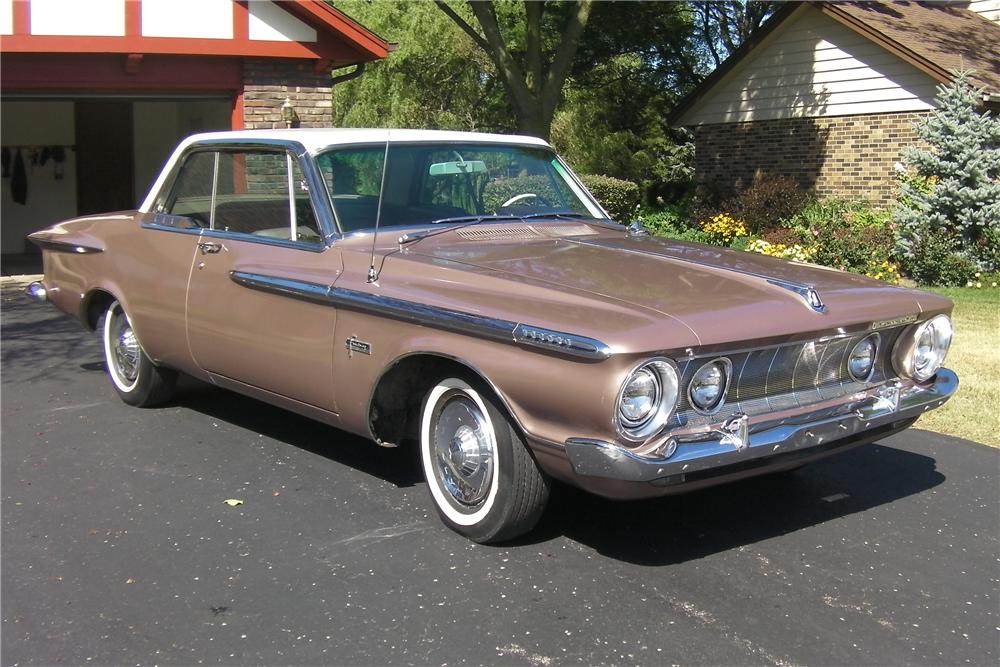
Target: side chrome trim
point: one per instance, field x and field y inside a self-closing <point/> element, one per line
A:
<point x="295" y="289"/>
<point x="480" y="326"/>
<point x="65" y="246"/>
<point x="561" y="342"/>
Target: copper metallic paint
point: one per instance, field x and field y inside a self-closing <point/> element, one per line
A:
<point x="640" y="295"/>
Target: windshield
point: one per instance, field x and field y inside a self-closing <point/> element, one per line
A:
<point x="425" y="183"/>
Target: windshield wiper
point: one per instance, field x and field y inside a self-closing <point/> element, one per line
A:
<point x="572" y="215"/>
<point x="473" y="218"/>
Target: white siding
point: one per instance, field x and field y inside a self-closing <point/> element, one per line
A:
<point x="6" y="17"/>
<point x="814" y="67"/>
<point x="988" y="8"/>
<point x="208" y="19"/>
<point x="72" y="17"/>
<point x="268" y="21"/>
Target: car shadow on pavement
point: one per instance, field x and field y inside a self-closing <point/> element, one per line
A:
<point x="399" y="466"/>
<point x="662" y="531"/>
<point x="686" y="527"/>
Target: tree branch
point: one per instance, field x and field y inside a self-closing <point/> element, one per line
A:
<point x="508" y="69"/>
<point x="560" y="66"/>
<point x="461" y="23"/>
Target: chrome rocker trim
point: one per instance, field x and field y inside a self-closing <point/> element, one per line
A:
<point x="858" y="422"/>
<point x="442" y="318"/>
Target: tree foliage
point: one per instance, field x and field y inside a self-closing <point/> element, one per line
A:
<point x="533" y="71"/>
<point x="436" y="78"/>
<point x="721" y="27"/>
<point x="597" y="79"/>
<point x="955" y="196"/>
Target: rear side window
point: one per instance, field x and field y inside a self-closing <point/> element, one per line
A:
<point x="258" y="193"/>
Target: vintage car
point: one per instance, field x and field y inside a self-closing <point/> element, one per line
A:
<point x="465" y="291"/>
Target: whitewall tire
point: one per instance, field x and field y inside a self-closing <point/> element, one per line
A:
<point x="482" y="479"/>
<point x="135" y="378"/>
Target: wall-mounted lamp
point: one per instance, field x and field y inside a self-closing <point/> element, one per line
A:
<point x="288" y="113"/>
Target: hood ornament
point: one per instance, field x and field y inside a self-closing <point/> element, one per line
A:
<point x="808" y="293"/>
<point x="636" y="228"/>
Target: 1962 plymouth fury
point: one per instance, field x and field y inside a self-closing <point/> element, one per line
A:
<point x="467" y="292"/>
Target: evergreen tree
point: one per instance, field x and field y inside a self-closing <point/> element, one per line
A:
<point x="954" y="200"/>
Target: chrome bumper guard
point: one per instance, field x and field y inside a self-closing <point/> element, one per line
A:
<point x="874" y="415"/>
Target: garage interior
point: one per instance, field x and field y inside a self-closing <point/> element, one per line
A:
<point x="67" y="156"/>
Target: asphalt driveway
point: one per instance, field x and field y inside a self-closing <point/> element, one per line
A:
<point x="118" y="547"/>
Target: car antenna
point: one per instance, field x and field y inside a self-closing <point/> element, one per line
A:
<point x="372" y="273"/>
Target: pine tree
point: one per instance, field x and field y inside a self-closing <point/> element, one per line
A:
<point x="955" y="195"/>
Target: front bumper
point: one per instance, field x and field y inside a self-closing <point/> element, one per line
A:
<point x="786" y="441"/>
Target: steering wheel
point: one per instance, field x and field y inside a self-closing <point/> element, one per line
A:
<point x="523" y="196"/>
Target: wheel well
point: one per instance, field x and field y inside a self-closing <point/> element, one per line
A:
<point x="394" y="413"/>
<point x="94" y="306"/>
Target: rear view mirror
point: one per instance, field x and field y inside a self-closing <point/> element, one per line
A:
<point x="466" y="167"/>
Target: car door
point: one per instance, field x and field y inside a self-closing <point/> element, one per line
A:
<point x="252" y="315"/>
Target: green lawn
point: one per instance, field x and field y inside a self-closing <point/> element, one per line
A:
<point x="974" y="412"/>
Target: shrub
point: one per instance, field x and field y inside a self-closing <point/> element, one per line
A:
<point x="670" y="224"/>
<point x="766" y="204"/>
<point x="932" y="260"/>
<point x="618" y="197"/>
<point x="850" y="237"/>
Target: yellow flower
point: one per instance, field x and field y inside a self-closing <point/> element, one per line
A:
<point x="978" y="285"/>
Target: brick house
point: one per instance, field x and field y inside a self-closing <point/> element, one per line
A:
<point x="828" y="92"/>
<point x="96" y="93"/>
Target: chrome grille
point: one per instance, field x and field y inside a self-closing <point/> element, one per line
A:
<point x="786" y="376"/>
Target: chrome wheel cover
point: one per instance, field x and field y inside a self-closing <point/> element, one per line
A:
<point x="462" y="438"/>
<point x="122" y="349"/>
<point x="127" y="353"/>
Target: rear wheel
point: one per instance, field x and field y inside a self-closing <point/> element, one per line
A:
<point x="481" y="476"/>
<point x="135" y="377"/>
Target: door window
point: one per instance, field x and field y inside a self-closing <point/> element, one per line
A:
<point x="262" y="194"/>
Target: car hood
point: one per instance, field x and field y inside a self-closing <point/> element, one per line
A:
<point x="720" y="295"/>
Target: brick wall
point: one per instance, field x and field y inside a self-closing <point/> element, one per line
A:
<point x="268" y="81"/>
<point x="846" y="156"/>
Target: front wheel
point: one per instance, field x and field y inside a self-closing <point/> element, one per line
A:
<point x="482" y="479"/>
<point x="135" y="377"/>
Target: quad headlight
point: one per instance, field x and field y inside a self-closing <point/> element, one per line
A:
<point x="646" y="399"/>
<point x="707" y="389"/>
<point x="861" y="362"/>
<point x="921" y="350"/>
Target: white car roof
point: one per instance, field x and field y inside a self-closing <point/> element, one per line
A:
<point x="316" y="139"/>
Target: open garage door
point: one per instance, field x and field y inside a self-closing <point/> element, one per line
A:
<point x="82" y="155"/>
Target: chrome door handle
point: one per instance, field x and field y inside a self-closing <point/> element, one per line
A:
<point x="208" y="247"/>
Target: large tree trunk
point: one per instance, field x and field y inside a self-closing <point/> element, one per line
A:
<point x="534" y="91"/>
